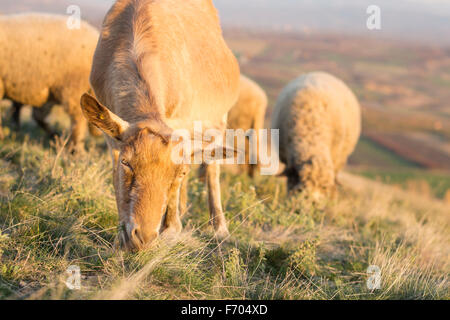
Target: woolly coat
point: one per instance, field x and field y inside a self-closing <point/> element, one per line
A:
<point x="42" y="59"/>
<point x="319" y="119"/>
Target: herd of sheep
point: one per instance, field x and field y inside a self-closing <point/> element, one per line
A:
<point x="156" y="66"/>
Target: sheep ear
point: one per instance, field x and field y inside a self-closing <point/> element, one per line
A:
<point x="102" y="118"/>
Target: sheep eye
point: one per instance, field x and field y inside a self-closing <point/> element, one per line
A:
<point x="125" y="163"/>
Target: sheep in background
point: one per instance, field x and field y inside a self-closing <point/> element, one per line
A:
<point x="43" y="62"/>
<point x="248" y="113"/>
<point x="319" y="119"/>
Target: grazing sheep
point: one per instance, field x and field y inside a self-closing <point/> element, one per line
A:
<point x="160" y="67"/>
<point x="42" y="62"/>
<point x="248" y="113"/>
<point x="320" y="122"/>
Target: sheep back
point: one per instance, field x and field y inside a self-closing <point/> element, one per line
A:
<point x="40" y="56"/>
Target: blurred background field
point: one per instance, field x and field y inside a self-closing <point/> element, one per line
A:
<point x="393" y="210"/>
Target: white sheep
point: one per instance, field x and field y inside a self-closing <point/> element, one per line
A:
<point x="319" y="119"/>
<point x="43" y="61"/>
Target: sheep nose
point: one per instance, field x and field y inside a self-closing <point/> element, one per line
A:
<point x="136" y="238"/>
<point x="139" y="239"/>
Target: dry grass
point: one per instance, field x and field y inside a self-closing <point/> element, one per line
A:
<point x="57" y="210"/>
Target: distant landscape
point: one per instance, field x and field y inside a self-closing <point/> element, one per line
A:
<point x="423" y="21"/>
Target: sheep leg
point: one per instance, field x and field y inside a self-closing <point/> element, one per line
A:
<point x="247" y="167"/>
<point x="184" y="196"/>
<point x="214" y="199"/>
<point x="251" y="168"/>
<point x="202" y="172"/>
<point x="17" y="107"/>
<point x="257" y="126"/>
<point x="79" y="127"/>
<point x="172" y="222"/>
<point x="40" y="115"/>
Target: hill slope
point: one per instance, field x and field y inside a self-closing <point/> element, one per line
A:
<point x="57" y="211"/>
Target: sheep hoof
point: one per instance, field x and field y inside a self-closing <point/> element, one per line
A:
<point x="75" y="149"/>
<point x="221" y="233"/>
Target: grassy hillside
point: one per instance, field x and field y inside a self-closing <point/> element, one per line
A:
<point x="58" y="210"/>
<point x="375" y="162"/>
<point x="368" y="153"/>
<point x="427" y="183"/>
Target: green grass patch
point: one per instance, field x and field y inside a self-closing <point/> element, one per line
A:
<point x="369" y="153"/>
<point x="58" y="210"/>
<point x="438" y="182"/>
